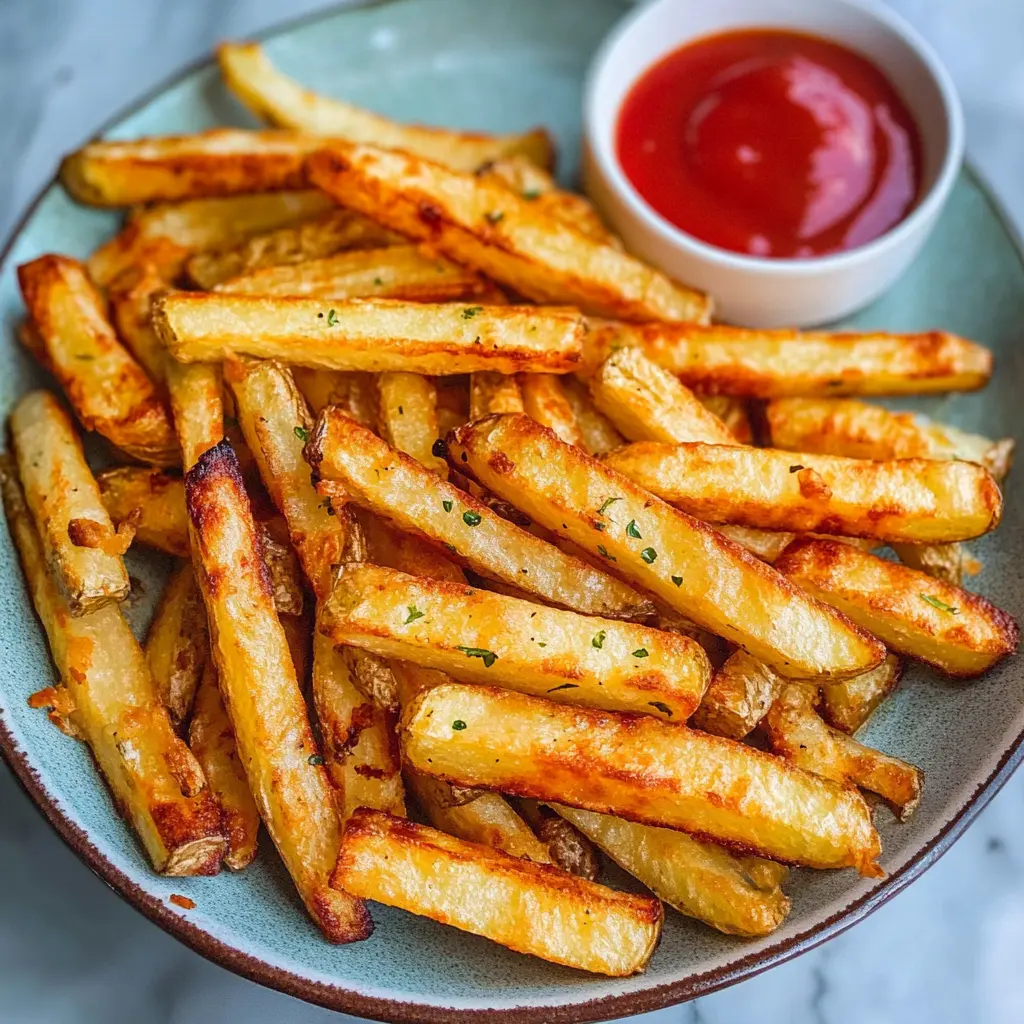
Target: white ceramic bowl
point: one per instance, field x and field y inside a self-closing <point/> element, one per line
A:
<point x="747" y="289"/>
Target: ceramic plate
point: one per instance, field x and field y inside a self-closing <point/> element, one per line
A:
<point x="505" y="65"/>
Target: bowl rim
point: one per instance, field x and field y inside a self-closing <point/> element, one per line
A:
<point x="603" y="153"/>
<point x="402" y="1011"/>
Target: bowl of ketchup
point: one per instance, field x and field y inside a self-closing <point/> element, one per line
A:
<point x="790" y="157"/>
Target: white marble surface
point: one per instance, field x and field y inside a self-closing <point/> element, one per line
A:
<point x="945" y="951"/>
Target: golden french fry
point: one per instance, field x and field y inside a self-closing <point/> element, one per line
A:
<point x="390" y="484"/>
<point x="797" y="733"/>
<point x="212" y="741"/>
<point x="257" y="678"/>
<point x="130" y="295"/>
<point x="330" y="233"/>
<point x="407" y="417"/>
<point x="166" y="235"/>
<point x="779" y="364"/>
<point x="78" y="538"/>
<point x="598" y="432"/>
<point x="849" y="704"/>
<point x="491" y="228"/>
<point x="567" y="846"/>
<point x="354" y="392"/>
<point x="368" y="334"/>
<point x="678" y="559"/>
<point x="108" y="390"/>
<point x="197" y="400"/>
<point x="639" y="768"/>
<point x="113" y="705"/>
<point x="958" y="632"/>
<point x="531" y="908"/>
<point x="153" y="501"/>
<point x="544" y="400"/>
<point x="177" y="645"/>
<point x="485" y="637"/>
<point x="491" y="392"/>
<point x="733" y="412"/>
<point x="740" y="694"/>
<point x="909" y="500"/>
<point x="700" y="880"/>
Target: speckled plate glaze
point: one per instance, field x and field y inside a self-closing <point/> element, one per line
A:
<point x="505" y="65"/>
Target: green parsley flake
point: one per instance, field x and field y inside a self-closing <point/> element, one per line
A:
<point x="458" y="725"/>
<point x="494" y="216"/>
<point x="378" y="281"/>
<point x="414" y="614"/>
<point x="332" y="318"/>
<point x="447" y="505"/>
<point x="640" y="653"/>
<point x="314" y="759"/>
<point x="602" y="550"/>
<point x="941" y="605"/>
<point x="532" y="193"/>
<point x="648" y="555"/>
<point x="471" y="311"/>
<point x="632" y="531"/>
<point x="677" y="580"/>
<point x="471" y="518"/>
<point x="607" y="501"/>
<point x="488" y="657"/>
<point x="302" y="433"/>
<point x="598" y="639"/>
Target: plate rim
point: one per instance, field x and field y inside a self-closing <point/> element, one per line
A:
<point x="401" y="1011"/>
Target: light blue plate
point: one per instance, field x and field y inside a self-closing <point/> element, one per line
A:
<point x="506" y="65"/>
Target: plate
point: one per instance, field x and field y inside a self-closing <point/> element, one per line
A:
<point x="505" y="65"/>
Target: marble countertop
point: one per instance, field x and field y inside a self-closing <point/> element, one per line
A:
<point x="945" y="951"/>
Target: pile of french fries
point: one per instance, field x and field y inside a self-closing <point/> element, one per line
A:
<point x="479" y="567"/>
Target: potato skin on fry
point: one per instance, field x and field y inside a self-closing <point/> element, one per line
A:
<point x="680" y="560"/>
<point x="639" y="768"/>
<point x="159" y="500"/>
<point x="849" y="704"/>
<point x="531" y="908"/>
<point x="956" y="631"/>
<point x="740" y="694"/>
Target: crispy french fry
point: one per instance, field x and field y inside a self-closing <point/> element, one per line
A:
<point x="368" y="334"/>
<point x="531" y="908"/>
<point x="598" y="432"/>
<point x="282" y="566"/>
<point x="487" y="226"/>
<point x="354" y="392"/>
<point x="946" y="562"/>
<point x="394" y="486"/>
<point x="78" y="538"/>
<point x="257" y="678"/>
<point x="197" y="400"/>
<point x="130" y="296"/>
<point x="153" y="501"/>
<point x="178" y="644"/>
<point x="680" y="560"/>
<point x="166" y="235"/>
<point x="212" y="741"/>
<point x="407" y="417"/>
<point x="859" y="430"/>
<point x="909" y="500"/>
<point x="699" y="879"/>
<point x="733" y="413"/>
<point x="797" y="733"/>
<point x="281" y="101"/>
<point x="568" y="847"/>
<point x="396" y="272"/>
<point x="322" y="236"/>
<point x="491" y="392"/>
<point x="108" y="390"/>
<point x="958" y="632"/>
<point x="207" y="164"/>
<point x="779" y="364"/>
<point x="640" y="768"/>
<point x="764" y="544"/>
<point x="114" y="707"/>
<point x="485" y="637"/>
<point x="740" y="694"/>
<point x="849" y="704"/>
<point x="544" y="401"/>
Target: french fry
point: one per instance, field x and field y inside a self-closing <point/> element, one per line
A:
<point x="678" y="559"/>
<point x="849" y="704"/>
<point x="197" y="400"/>
<point x="177" y="645"/>
<point x="958" y="632"/>
<point x="699" y="879"/>
<point x="740" y="694"/>
<point x="639" y="768"/>
<point x="598" y="432"/>
<point x="484" y="637"/>
<point x="282" y="566"/>
<point x="130" y="296"/>
<point x="544" y="400"/>
<point x="212" y="163"/>
<point x="407" y="417"/>
<point x="108" y="390"/>
<point x="779" y="364"/>
<point x="395" y="272"/>
<point x="764" y="544"/>
<point x="568" y="847"/>
<point x="491" y="392"/>
<point x="797" y="733"/>
<point x="733" y="412"/>
<point x="166" y="235"/>
<point x="391" y="484"/>
<point x="114" y="707"/>
<point x="859" y="430"/>
<point x="257" y="679"/>
<point x="212" y="741"/>
<point x="281" y="101"/>
<point x="486" y="226"/>
<point x="313" y="239"/>
<point x="531" y="908"/>
<point x="368" y="334"/>
<point x="153" y="501"/>
<point x="908" y="500"/>
<point x="75" y="530"/>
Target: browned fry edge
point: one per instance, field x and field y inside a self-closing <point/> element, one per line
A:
<point x="397" y="1011"/>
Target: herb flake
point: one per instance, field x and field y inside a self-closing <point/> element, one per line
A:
<point x="486" y="656"/>
<point x="632" y="531"/>
<point x="494" y="216"/>
<point x="447" y="505"/>
<point x="458" y="725"/>
<point x="564" y="686"/>
<point x="677" y="580"/>
<point x="598" y="639"/>
<point x="603" y="551"/>
<point x="471" y="311"/>
<point x="414" y="614"/>
<point x="641" y="652"/>
<point x="302" y="433"/>
<point x="314" y="759"/>
<point x="471" y="518"/>
<point x="941" y="605"/>
<point x="648" y="555"/>
<point x="604" y="507"/>
<point x="332" y="318"/>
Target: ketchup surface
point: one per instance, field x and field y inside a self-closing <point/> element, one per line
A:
<point x="771" y="143"/>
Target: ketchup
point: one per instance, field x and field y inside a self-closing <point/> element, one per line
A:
<point x="771" y="143"/>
